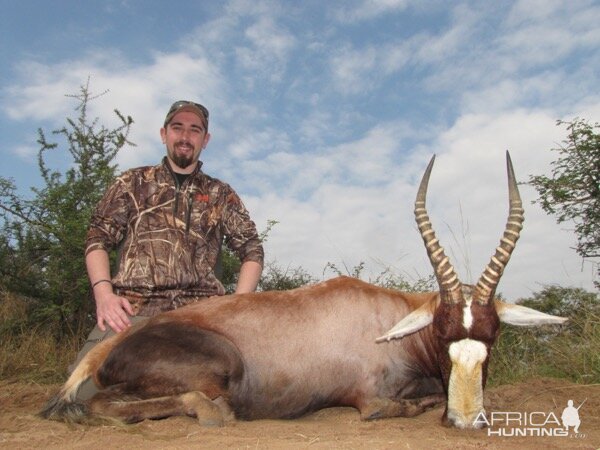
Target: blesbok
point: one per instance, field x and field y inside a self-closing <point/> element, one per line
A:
<point x="284" y="354"/>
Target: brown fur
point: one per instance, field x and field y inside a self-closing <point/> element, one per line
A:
<point x="283" y="354"/>
<point x="273" y="355"/>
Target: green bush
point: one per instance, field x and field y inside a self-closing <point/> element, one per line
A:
<point x="570" y="351"/>
<point x="43" y="237"/>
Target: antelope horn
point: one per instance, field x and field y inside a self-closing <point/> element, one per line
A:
<point x="486" y="286"/>
<point x="450" y="285"/>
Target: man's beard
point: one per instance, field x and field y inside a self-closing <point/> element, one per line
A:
<point x="181" y="160"/>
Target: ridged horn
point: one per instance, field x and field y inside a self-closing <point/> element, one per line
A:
<point x="486" y="286"/>
<point x="450" y="285"/>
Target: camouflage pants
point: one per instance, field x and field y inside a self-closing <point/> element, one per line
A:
<point x="88" y="388"/>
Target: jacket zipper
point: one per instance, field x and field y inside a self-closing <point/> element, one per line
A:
<point x="176" y="202"/>
<point x="177" y="189"/>
<point x="188" y="213"/>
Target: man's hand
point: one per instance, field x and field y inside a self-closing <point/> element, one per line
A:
<point x="114" y="311"/>
<point x="111" y="309"/>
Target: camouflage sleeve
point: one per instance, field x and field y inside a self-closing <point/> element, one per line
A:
<point x="108" y="223"/>
<point x="240" y="231"/>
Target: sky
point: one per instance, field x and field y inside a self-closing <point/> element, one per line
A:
<point x="325" y="114"/>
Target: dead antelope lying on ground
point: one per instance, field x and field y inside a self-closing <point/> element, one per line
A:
<point x="284" y="354"/>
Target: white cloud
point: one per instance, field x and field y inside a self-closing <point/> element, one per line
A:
<point x="351" y="68"/>
<point x="143" y="92"/>
<point x="267" y="51"/>
<point x="539" y="34"/>
<point x="343" y="187"/>
<point x="465" y="25"/>
<point x="346" y="223"/>
<point x="26" y="152"/>
<point x="368" y="9"/>
<point x="524" y="57"/>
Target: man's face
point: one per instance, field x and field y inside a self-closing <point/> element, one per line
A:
<point x="185" y="137"/>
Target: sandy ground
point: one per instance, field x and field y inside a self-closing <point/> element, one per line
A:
<point x="540" y="401"/>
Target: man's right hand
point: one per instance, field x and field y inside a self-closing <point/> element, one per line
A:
<point x="113" y="310"/>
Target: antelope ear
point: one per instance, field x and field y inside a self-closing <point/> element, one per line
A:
<point x="416" y="320"/>
<point x="523" y="316"/>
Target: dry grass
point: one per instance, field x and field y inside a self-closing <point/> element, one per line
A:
<point x="35" y="356"/>
<point x="571" y="353"/>
<point x="30" y="353"/>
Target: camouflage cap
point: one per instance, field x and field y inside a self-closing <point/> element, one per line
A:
<point x="185" y="105"/>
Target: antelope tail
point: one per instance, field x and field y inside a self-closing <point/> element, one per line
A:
<point x="64" y="405"/>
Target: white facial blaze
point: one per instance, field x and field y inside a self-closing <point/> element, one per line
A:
<point x="467" y="315"/>
<point x="465" y="390"/>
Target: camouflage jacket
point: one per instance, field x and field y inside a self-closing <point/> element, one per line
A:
<point x="169" y="236"/>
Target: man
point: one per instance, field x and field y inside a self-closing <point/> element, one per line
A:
<point x="168" y="223"/>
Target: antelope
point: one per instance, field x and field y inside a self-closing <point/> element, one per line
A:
<point x="283" y="354"/>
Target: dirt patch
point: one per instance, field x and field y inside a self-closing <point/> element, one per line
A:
<point x="539" y="400"/>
